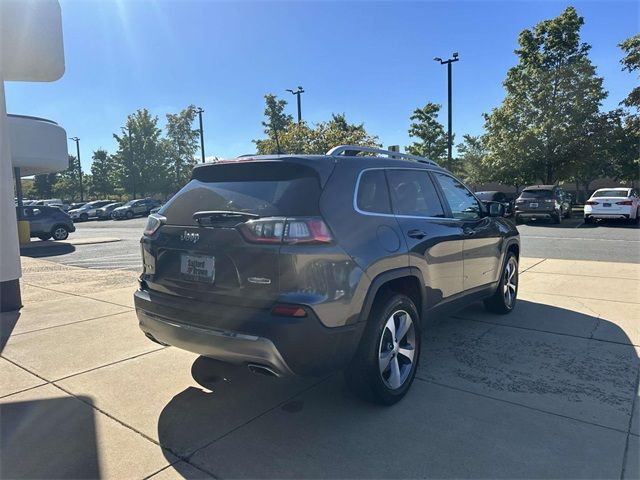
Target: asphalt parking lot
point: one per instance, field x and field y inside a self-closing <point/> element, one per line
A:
<point x="611" y="241"/>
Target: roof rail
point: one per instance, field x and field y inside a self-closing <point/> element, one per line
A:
<point x="352" y="150"/>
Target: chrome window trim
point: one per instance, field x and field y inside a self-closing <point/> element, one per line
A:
<point x="393" y="215"/>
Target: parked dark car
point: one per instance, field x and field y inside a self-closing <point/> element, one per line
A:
<point x="548" y="202"/>
<point x="500" y="197"/>
<point x="47" y="222"/>
<point x="301" y="265"/>
<point x="104" y="213"/>
<point x="134" y="208"/>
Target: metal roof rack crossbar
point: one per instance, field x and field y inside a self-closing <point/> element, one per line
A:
<point x="354" y="149"/>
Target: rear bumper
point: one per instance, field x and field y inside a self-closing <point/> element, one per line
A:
<point x="240" y="335"/>
<point x="625" y="216"/>
<point x="534" y="215"/>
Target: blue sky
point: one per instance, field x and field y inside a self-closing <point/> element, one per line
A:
<point x="369" y="60"/>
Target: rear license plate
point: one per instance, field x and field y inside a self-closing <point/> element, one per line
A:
<point x="197" y="268"/>
<point x="606" y="204"/>
<point x="533" y="205"/>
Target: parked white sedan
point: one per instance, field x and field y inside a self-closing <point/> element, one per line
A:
<point x="613" y="203"/>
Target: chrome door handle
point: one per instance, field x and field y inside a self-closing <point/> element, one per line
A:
<point x="415" y="233"/>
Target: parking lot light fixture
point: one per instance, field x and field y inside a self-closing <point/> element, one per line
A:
<point x="199" y="111"/>
<point x="448" y="62"/>
<point x="131" y="163"/>
<point x="298" y="93"/>
<point x="77" y="140"/>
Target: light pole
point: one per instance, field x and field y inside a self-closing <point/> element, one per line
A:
<point x="298" y="93"/>
<point x="449" y="134"/>
<point x="133" y="173"/>
<point x="77" y="140"/>
<point x="199" y="112"/>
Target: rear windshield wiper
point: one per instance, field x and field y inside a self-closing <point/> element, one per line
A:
<point x="223" y="215"/>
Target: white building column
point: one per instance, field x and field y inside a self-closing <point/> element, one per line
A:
<point x="10" y="271"/>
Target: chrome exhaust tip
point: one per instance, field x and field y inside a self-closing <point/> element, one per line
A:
<point x="262" y="370"/>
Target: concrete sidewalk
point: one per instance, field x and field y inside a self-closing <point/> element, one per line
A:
<point x="549" y="391"/>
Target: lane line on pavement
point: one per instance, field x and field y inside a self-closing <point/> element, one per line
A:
<point x="80" y="295"/>
<point x="530" y="329"/>
<point x="128" y="309"/>
<point x="581" y="238"/>
<point x="588" y="276"/>
<point x="528" y="407"/>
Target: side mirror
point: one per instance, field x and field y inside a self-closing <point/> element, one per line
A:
<point x="496" y="209"/>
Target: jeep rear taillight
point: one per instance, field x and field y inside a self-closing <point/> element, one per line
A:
<point x="278" y="230"/>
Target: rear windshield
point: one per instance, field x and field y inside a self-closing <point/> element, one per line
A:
<point x="612" y="193"/>
<point x="265" y="188"/>
<point x="536" y="194"/>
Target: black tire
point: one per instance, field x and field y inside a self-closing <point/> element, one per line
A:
<point x="44" y="238"/>
<point x="364" y="376"/>
<point x="588" y="220"/>
<point x="60" y="232"/>
<point x="129" y="215"/>
<point x="84" y="217"/>
<point x="499" y="302"/>
<point x="569" y="213"/>
<point x="556" y="217"/>
<point x="517" y="219"/>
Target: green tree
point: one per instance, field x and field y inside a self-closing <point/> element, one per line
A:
<point x="631" y="63"/>
<point x="43" y="185"/>
<point x="67" y="186"/>
<point x="182" y="144"/>
<point x="432" y="139"/>
<point x="102" y="174"/>
<point x="276" y="122"/>
<point x="141" y="161"/>
<point x="317" y="140"/>
<point x="470" y="164"/>
<point x="627" y="162"/>
<point x="551" y="94"/>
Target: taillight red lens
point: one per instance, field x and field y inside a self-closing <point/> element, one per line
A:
<point x="590" y="202"/>
<point x="286" y="230"/>
<point x="625" y="202"/>
<point x="288" y="311"/>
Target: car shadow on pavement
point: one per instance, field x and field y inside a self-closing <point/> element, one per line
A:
<point x="613" y="223"/>
<point x="530" y="395"/>
<point x="47" y="248"/>
<point x="572" y="222"/>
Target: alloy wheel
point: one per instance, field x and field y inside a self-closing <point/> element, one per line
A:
<point x="510" y="283"/>
<point x="60" y="233"/>
<point x="397" y="349"/>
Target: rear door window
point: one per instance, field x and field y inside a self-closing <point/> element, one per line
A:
<point x="413" y="193"/>
<point x="462" y="202"/>
<point x="373" y="194"/>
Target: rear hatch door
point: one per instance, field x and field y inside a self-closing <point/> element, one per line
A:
<point x="207" y="257"/>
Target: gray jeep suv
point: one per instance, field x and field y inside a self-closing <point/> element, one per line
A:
<point x="301" y="265"/>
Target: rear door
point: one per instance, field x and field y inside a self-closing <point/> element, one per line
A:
<point x="225" y="257"/>
<point x="434" y="241"/>
<point x="482" y="239"/>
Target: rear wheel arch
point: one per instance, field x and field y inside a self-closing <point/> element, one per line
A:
<point x="408" y="281"/>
